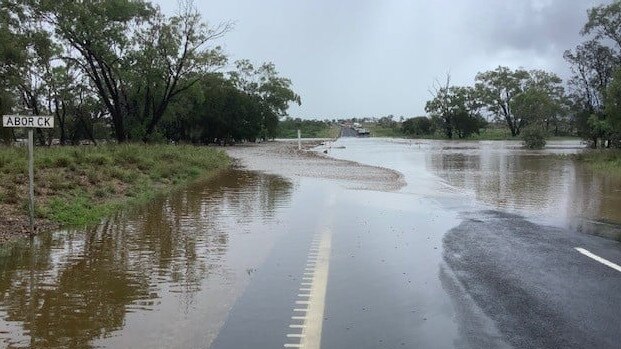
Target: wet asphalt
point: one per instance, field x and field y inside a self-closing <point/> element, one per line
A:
<point x="532" y="283"/>
<point x="414" y="271"/>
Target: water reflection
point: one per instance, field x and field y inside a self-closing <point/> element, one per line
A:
<point x="68" y="288"/>
<point x="531" y="182"/>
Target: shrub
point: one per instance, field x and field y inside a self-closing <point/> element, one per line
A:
<point x="534" y="137"/>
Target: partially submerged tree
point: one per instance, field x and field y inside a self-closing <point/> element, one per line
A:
<point x="456" y="110"/>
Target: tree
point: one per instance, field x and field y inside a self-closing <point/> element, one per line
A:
<point x="613" y="109"/>
<point x="456" y="110"/>
<point x="605" y="23"/>
<point x="536" y="107"/>
<point x="594" y="64"/>
<point x="274" y="92"/>
<point x="497" y="89"/>
<point x="417" y="126"/>
<point x="97" y="35"/>
<point x="171" y="56"/>
<point x="137" y="59"/>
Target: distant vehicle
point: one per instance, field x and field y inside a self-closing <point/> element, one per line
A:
<point x="363" y="132"/>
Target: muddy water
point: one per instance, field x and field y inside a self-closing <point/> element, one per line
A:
<point x="220" y="262"/>
<point x="164" y="276"/>
<point x="501" y="175"/>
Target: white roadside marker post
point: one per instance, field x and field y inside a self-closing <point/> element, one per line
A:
<point x="31" y="207"/>
<point x="29" y="122"/>
<point x="299" y="139"/>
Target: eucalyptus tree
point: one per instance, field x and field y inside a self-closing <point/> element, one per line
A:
<point x="28" y="62"/>
<point x="456" y="110"/>
<point x="273" y="91"/>
<point x="172" y="55"/>
<point x="613" y="109"/>
<point x="593" y="64"/>
<point x="137" y="59"/>
<point x="497" y="89"/>
<point x="502" y="90"/>
<point x="96" y="37"/>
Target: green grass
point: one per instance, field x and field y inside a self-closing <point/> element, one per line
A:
<point x="377" y="130"/>
<point x="308" y="128"/>
<point x="493" y="134"/>
<point x="77" y="186"/>
<point x="602" y="160"/>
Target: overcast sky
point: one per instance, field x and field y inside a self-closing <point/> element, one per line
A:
<point x="355" y="58"/>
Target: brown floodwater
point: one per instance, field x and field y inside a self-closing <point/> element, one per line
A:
<point x="501" y="175"/>
<point x="170" y="274"/>
<point x="146" y="273"/>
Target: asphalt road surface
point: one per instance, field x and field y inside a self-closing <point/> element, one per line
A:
<point x="348" y="132"/>
<point x="425" y="271"/>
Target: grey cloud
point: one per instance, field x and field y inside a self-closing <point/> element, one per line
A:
<point x="373" y="57"/>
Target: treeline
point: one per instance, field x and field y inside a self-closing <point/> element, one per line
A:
<point x="123" y="70"/>
<point x="536" y="103"/>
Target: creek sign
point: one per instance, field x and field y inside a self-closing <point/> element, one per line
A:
<point x="29" y="122"/>
<point x="35" y="121"/>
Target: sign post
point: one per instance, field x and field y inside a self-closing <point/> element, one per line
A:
<point x="29" y="122"/>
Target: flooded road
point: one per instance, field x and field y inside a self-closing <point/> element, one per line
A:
<point x="499" y="174"/>
<point x="164" y="276"/>
<point x="435" y="244"/>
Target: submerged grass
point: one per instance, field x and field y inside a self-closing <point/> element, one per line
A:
<point x="77" y="186"/>
<point x="602" y="160"/>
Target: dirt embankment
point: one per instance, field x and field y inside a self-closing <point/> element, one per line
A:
<point x="283" y="158"/>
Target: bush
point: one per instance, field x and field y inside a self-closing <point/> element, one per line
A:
<point x="418" y="126"/>
<point x="534" y="137"/>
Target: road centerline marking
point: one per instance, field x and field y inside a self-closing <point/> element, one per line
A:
<point x="599" y="259"/>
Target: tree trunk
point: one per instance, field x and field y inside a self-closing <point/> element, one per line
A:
<point x="119" y="129"/>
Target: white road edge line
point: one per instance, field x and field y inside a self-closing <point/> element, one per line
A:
<point x="314" y="321"/>
<point x="599" y="259"/>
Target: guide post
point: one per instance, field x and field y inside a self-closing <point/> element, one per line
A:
<point x="29" y="122"/>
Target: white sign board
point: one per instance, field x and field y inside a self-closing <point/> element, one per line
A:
<point x="35" y="121"/>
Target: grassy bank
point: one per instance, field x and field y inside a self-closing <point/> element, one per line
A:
<point x="378" y="130"/>
<point x="602" y="160"/>
<point x="79" y="185"/>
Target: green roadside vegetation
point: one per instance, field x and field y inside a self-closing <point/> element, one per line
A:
<point x="378" y="130"/>
<point x="77" y="186"/>
<point x="288" y="128"/>
<point x="606" y="161"/>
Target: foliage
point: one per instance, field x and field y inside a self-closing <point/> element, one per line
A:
<point x="456" y="110"/>
<point x="613" y="102"/>
<point x="272" y="91"/>
<point x="604" y="160"/>
<point x="534" y="137"/>
<point x="122" y="65"/>
<point x="594" y="84"/>
<point x="503" y="89"/>
<point x="418" y="126"/>
<point x="383" y="130"/>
